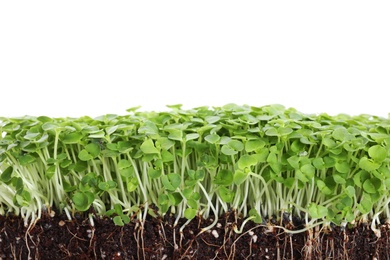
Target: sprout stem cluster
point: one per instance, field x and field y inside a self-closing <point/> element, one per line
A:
<point x="258" y="161"/>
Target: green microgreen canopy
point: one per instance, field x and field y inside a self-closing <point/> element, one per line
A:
<point x="259" y="161"/>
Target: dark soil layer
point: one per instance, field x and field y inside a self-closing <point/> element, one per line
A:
<point x="57" y="238"/>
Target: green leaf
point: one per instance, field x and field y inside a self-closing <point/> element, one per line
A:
<point x="339" y="179"/>
<point x="189" y="213"/>
<point x="272" y="158"/>
<point x="239" y="177"/>
<point x="167" y="156"/>
<point x="253" y="145"/>
<point x="346" y="202"/>
<point x="112" y="146"/>
<point x="82" y="200"/>
<point x="308" y="170"/>
<point x="323" y="187"/>
<point x="132" y="184"/>
<point x="272" y="132"/>
<point x="163" y="199"/>
<point x="6" y="175"/>
<point x="262" y="155"/>
<point x="305" y="140"/>
<point x="125" y="219"/>
<point x="387" y="183"/>
<point x="226" y="194"/>
<point x="175" y="198"/>
<point x="368" y="186"/>
<point x="236" y="145"/>
<point x="283" y="131"/>
<point x="329" y="162"/>
<point x="107" y="185"/>
<point x="26" y="196"/>
<point x="227" y="150"/>
<point x="176" y="134"/>
<point x="294" y="161"/>
<point x="84" y="155"/>
<point x="49" y="126"/>
<point x="154" y="173"/>
<point x="377" y="153"/>
<point x="26" y="159"/>
<point x="18" y="183"/>
<point x="148" y="147"/>
<point x="317" y="211"/>
<point x="341" y="134"/>
<point x="246" y="161"/>
<point x="318" y="163"/>
<point x="195" y="196"/>
<point x="149" y="128"/>
<point x="187" y="193"/>
<point x="368" y="164"/>
<point x="65" y="163"/>
<point x="79" y="166"/>
<point x="171" y="181"/>
<point x="123" y="164"/>
<point x="328" y="142"/>
<point x="357" y="180"/>
<point x="212" y="138"/>
<point x="192" y="203"/>
<point x="90" y="179"/>
<point x="44" y="119"/>
<point x="118" y="221"/>
<point x="257" y="217"/>
<point x="133" y="109"/>
<point x="342" y="167"/>
<point x="111" y="129"/>
<point x="365" y="205"/>
<point x="72" y="138"/>
<point x="192" y="136"/>
<point x="118" y="209"/>
<point x="68" y="187"/>
<point x="175" y="179"/>
<point x="224" y="177"/>
<point x="289" y="182"/>
<point x="31" y="136"/>
<point x="124" y="146"/>
<point x="224" y="140"/>
<point x="175" y="106"/>
<point x="302" y="177"/>
<point x="349" y="215"/>
<point x="91" y="129"/>
<point x="19" y="200"/>
<point x="199" y="175"/>
<point x="212" y="119"/>
<point x="50" y="171"/>
<point x="99" y="134"/>
<point x="164" y="143"/>
<point x="125" y="168"/>
<point x="93" y="149"/>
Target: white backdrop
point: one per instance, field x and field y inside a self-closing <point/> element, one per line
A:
<point x="74" y="58"/>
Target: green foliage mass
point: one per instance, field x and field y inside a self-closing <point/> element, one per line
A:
<point x="259" y="161"/>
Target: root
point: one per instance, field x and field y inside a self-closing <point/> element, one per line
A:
<point x="138" y="235"/>
<point x="313" y="245"/>
<point x="27" y="234"/>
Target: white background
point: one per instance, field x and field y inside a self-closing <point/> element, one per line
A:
<point x="74" y="58"/>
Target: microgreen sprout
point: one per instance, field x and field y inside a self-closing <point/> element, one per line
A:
<point x="258" y="161"/>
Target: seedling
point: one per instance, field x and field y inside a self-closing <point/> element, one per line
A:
<point x="258" y="161"/>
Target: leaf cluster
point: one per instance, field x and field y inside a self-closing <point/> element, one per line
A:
<point x="260" y="161"/>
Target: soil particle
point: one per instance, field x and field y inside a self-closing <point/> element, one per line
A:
<point x="58" y="238"/>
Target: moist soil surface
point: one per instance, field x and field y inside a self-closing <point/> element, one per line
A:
<point x="58" y="238"/>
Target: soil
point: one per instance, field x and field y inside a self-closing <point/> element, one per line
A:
<point x="58" y="238"/>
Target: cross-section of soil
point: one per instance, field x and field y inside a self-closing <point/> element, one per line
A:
<point x="57" y="238"/>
